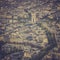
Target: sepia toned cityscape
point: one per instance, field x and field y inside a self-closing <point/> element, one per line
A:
<point x="29" y="29"/>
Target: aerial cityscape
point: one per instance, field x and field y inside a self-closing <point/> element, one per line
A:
<point x="29" y="29"/>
